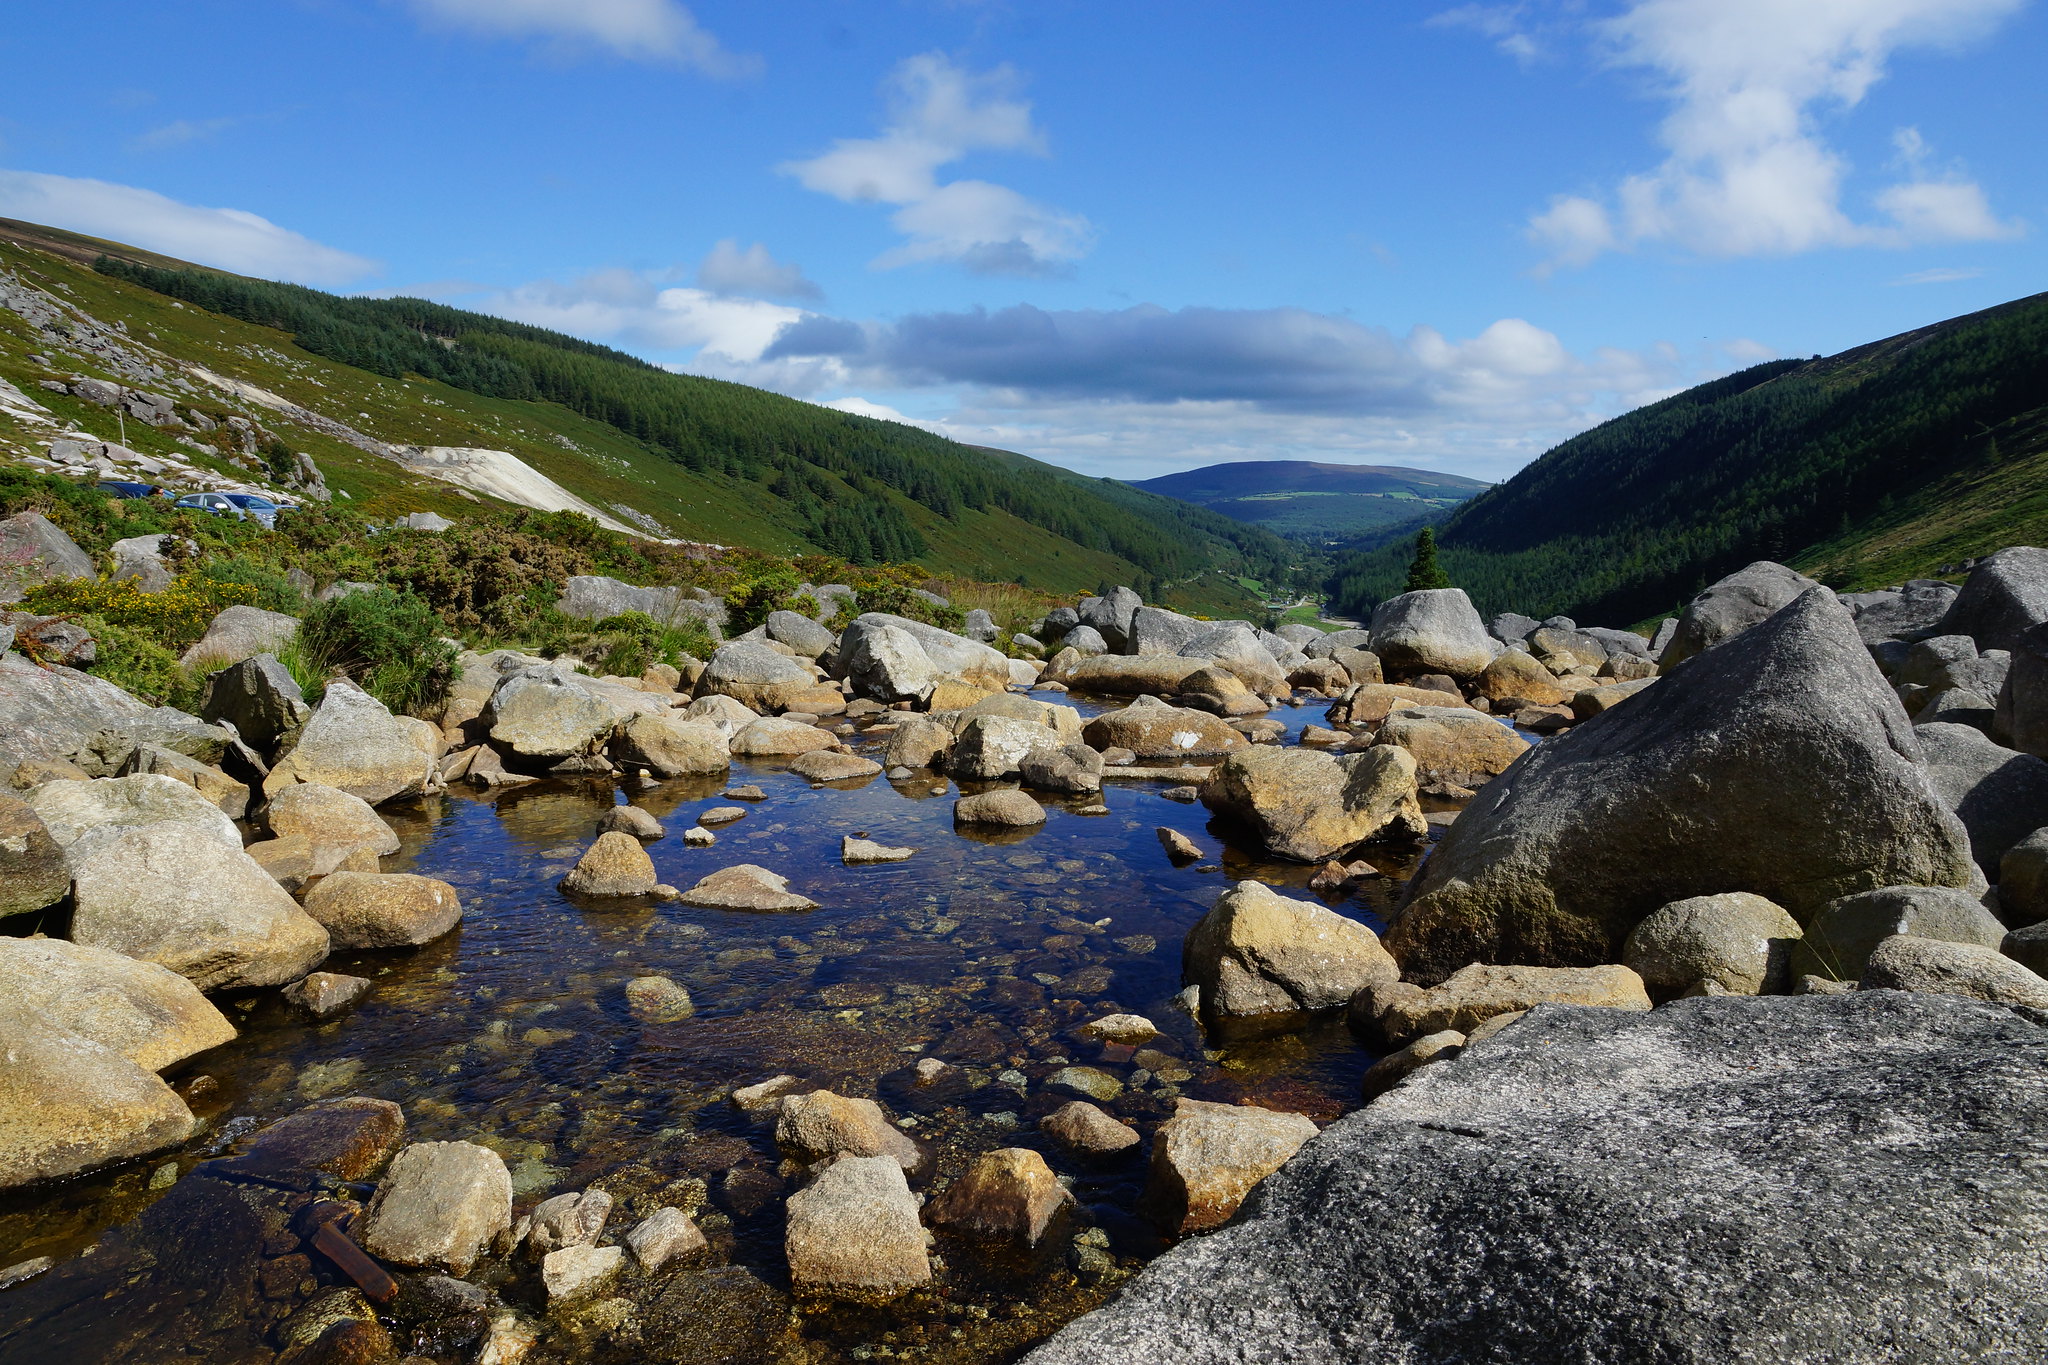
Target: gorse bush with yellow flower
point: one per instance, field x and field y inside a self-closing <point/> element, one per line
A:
<point x="174" y="618"/>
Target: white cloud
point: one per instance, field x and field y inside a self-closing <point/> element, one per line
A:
<point x="729" y="270"/>
<point x="644" y="309"/>
<point x="1747" y="170"/>
<point x="643" y="30"/>
<point x="181" y="132"/>
<point x="1508" y="26"/>
<point x="940" y="113"/>
<point x="231" y="239"/>
<point x="1940" y="275"/>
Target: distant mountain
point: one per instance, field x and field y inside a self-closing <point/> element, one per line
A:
<point x="1888" y="461"/>
<point x="1299" y="497"/>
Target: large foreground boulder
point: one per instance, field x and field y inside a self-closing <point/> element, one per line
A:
<point x="1310" y="806"/>
<point x="1743" y="599"/>
<point x="1432" y="1225"/>
<point x="1778" y="763"/>
<point x="69" y="1103"/>
<point x="1436" y="630"/>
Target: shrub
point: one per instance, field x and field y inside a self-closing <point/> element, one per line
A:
<point x="388" y="642"/>
<point x="628" y="643"/>
<point x="268" y="588"/>
<point x="772" y="588"/>
<point x="175" y="618"/>
<point x="135" y="663"/>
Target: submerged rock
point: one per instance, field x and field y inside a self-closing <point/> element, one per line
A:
<point x="1084" y="1130"/>
<point x="1009" y="1194"/>
<point x="854" y="1233"/>
<point x="663" y="1236"/>
<point x="853" y="850"/>
<point x="821" y="1125"/>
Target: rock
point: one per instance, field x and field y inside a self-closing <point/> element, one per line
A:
<point x="992" y="747"/>
<point x="800" y="633"/>
<point x="614" y="865"/>
<point x="853" y="851"/>
<point x="1780" y="762"/>
<point x="729" y="716"/>
<point x="83" y="817"/>
<point x="2028" y="946"/>
<point x="1840" y="938"/>
<point x="1126" y="1029"/>
<point x="33" y="872"/>
<point x="672" y="746"/>
<point x="1071" y="769"/>
<point x="1373" y="702"/>
<point x="2004" y="596"/>
<point x="2000" y="795"/>
<point x="755" y="675"/>
<point x="1311" y="806"/>
<point x="1593" y="700"/>
<point x="259" y="697"/>
<point x="658" y="1000"/>
<point x="1562" y="650"/>
<point x="1112" y="615"/>
<point x="1741" y="942"/>
<point x="1178" y="846"/>
<point x="1088" y="1082"/>
<point x="1365" y="1244"/>
<point x="1083" y="1130"/>
<point x="1236" y="647"/>
<point x="1908" y="962"/>
<point x="1006" y="806"/>
<point x="175" y="894"/>
<point x="1131" y="675"/>
<point x="1432" y="631"/>
<point x="773" y="737"/>
<point x="1008" y="1194"/>
<point x="569" y="1220"/>
<point x="2023" y="880"/>
<point x="1396" y="1067"/>
<point x="546" y="714"/>
<point x="824" y="765"/>
<point x="2022" y="709"/>
<point x="69" y="1104"/>
<point x="1511" y="628"/>
<point x="1258" y="952"/>
<point x="47" y="553"/>
<point x="1155" y="630"/>
<point x="1480" y="991"/>
<point x="325" y="994"/>
<point x="1743" y="599"/>
<point x="333" y="822"/>
<point x="440" y="1204"/>
<point x="767" y="1094"/>
<point x="1151" y="729"/>
<point x="354" y="744"/>
<point x="630" y="820"/>
<point x="240" y="632"/>
<point x="383" y="909"/>
<point x="746" y="887"/>
<point x="1208" y="1157"/>
<point x="147" y="1014"/>
<point x="579" y="1271"/>
<point x="141" y="559"/>
<point x="854" y="1234"/>
<point x="1893" y="615"/>
<point x="1085" y="640"/>
<point x="1514" y="673"/>
<point x="665" y="1235"/>
<point x="1453" y="744"/>
<point x="893" y="658"/>
<point x="722" y="815"/>
<point x="821" y="1125"/>
<point x="917" y="743"/>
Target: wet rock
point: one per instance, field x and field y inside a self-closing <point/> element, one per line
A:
<point x="756" y="675"/>
<point x="335" y="823"/>
<point x="1311" y="806"/>
<point x="1335" y="876"/>
<point x="1083" y="1130"/>
<point x="259" y="697"/>
<point x="1071" y="769"/>
<point x="764" y="1095"/>
<point x="669" y="746"/>
<point x="774" y="737"/>
<point x="1006" y="806"/>
<point x="175" y="894"/>
<point x="578" y="1271"/>
<point x="20" y="1271"/>
<point x="1907" y="962"/>
<point x="569" y="1220"/>
<point x="240" y="632"/>
<point x="148" y="1014"/>
<point x="1743" y="599"/>
<point x="1009" y="1194"/>
<point x="630" y="820"/>
<point x="440" y="1204"/>
<point x="33" y="872"/>
<point x="853" y="850"/>
<point x="354" y="743"/>
<point x="1482" y="990"/>
<point x="615" y="865"/>
<point x="326" y="994"/>
<point x="1208" y="1157"/>
<point x="665" y="1235"/>
<point x="1151" y="729"/>
<point x="854" y="1234"/>
<point x="1743" y="943"/>
<point x="1364" y="1242"/>
<point x="1178" y="846"/>
<point x="1088" y="1082"/>
<point x="821" y="1125"/>
<point x="1396" y="1067"/>
<point x="1258" y="952"/>
<point x="745" y="886"/>
<point x="69" y="1104"/>
<point x="658" y="1000"/>
<point x="1453" y="744"/>
<point x="1841" y="937"/>
<point x="1779" y="762"/>
<point x="508" y="1340"/>
<point x="1432" y="631"/>
<point x="383" y="909"/>
<point x="824" y="765"/>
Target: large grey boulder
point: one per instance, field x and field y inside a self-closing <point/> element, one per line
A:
<point x="548" y="713"/>
<point x="886" y="662"/>
<point x="1778" y="763"/>
<point x="1426" y="1227"/>
<point x="83" y="817"/>
<point x="1110" y="615"/>
<point x="1901" y="613"/>
<point x="750" y="672"/>
<point x="1741" y="600"/>
<point x="979" y="625"/>
<point x="146" y="1013"/>
<point x="354" y="743"/>
<point x="592" y="597"/>
<point x="1328" y="646"/>
<point x="799" y="632"/>
<point x="671" y="746"/>
<point x="1311" y="806"/>
<point x="1946" y="661"/>
<point x="952" y="656"/>
<point x="260" y="698"/>
<point x="1085" y="640"/>
<point x="1236" y="647"/>
<point x="1432" y="631"/>
<point x="1258" y="952"/>
<point x="238" y="632"/>
<point x="1840" y="939"/>
<point x="33" y="872"/>
<point x="1619" y="642"/>
<point x="69" y="1104"/>
<point x="2004" y="596"/>
<point x="991" y="747"/>
<point x="1151" y="729"/>
<point x="2022" y="712"/>
<point x="140" y="559"/>
<point x="1155" y="630"/>
<point x="48" y="714"/>
<point x="48" y="553"/>
<point x="2000" y="795"/>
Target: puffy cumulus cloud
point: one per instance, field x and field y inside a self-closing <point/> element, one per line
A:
<point x="642" y="30"/>
<point x="1747" y="171"/>
<point x="939" y="113"/>
<point x="729" y="270"/>
<point x="232" y="239"/>
<point x="647" y="310"/>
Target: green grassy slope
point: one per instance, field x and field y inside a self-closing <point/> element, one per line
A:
<point x="705" y="460"/>
<point x="1301" y="497"/>
<point x="1880" y="463"/>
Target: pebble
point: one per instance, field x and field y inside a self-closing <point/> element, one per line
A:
<point x="719" y="815"/>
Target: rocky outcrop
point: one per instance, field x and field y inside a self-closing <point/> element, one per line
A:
<point x="47" y="553"/>
<point x="1258" y="952"/>
<point x="354" y="744"/>
<point x="1432" y="631"/>
<point x="1743" y="599"/>
<point x="1311" y="806"/>
<point x="1779" y="763"/>
<point x="1362" y="1248"/>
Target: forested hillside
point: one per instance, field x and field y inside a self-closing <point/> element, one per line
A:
<point x="1305" y="498"/>
<point x="1862" y="468"/>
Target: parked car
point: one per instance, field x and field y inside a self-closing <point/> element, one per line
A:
<point x="260" y="508"/>
<point x="216" y="503"/>
<point x="122" y="488"/>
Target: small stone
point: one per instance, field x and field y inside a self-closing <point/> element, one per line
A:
<point x="823" y="765"/>
<point x="1086" y="1081"/>
<point x="852" y="850"/>
<point x="569" y="1220"/>
<point x="615" y="865"/>
<point x="25" y="1270"/>
<point x="816" y="1126"/>
<point x="1207" y="1158"/>
<point x="441" y="1203"/>
<point x="698" y="837"/>
<point x="579" y="1270"/>
<point x="663" y="1236"/>
<point x="746" y="887"/>
<point x="721" y="815"/>
<point x="1129" y="1029"/>
<point x="745" y="793"/>
<point x="630" y="820"/>
<point x="325" y="994"/>
<point x="658" y="1000"/>
<point x="1084" y="1130"/>
<point x="766" y="1094"/>
<point x="1390" y="1070"/>
<point x="1178" y="846"/>
<point x="855" y="1235"/>
<point x="1186" y="795"/>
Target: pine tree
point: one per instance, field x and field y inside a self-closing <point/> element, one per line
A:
<point x="1424" y="573"/>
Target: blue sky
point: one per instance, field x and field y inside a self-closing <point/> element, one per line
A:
<point x="1128" y="238"/>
